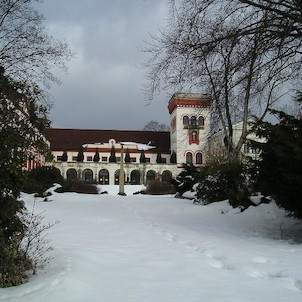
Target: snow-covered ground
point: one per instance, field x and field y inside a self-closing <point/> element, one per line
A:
<point x="160" y="249"/>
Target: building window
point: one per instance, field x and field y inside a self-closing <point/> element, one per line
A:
<point x="201" y="121"/>
<point x="104" y="158"/>
<point x="59" y="158"/>
<point x="194" y="137"/>
<point x="147" y="159"/>
<point x="198" y="158"/>
<point x="163" y="160"/>
<point x="104" y="177"/>
<point x="132" y="159"/>
<point x="87" y="176"/>
<point x="185" y="120"/>
<point x="193" y="121"/>
<point x="166" y="176"/>
<point x="89" y="158"/>
<point x="189" y="158"/>
<point x="74" y="158"/>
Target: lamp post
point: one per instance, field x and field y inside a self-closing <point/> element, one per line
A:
<point x="122" y="174"/>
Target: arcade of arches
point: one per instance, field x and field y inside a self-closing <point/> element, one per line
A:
<point x="135" y="177"/>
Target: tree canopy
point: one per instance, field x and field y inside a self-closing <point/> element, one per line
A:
<point x="27" y="52"/>
<point x="242" y="53"/>
<point x="156" y="126"/>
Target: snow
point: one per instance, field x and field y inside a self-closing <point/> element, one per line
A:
<point x="143" y="248"/>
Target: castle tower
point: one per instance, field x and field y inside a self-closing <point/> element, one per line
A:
<point x="190" y="127"/>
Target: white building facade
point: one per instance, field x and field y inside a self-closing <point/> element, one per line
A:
<point x="190" y="128"/>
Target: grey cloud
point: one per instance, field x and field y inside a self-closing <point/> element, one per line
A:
<point x="103" y="88"/>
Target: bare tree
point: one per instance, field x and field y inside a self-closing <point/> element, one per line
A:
<point x="232" y="50"/>
<point x="27" y="53"/>
<point x="156" y="126"/>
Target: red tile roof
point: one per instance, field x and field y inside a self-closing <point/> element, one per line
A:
<point x="72" y="139"/>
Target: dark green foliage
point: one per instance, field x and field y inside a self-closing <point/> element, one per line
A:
<point x="157" y="187"/>
<point x="127" y="156"/>
<point x="64" y="156"/>
<point x="229" y="180"/>
<point x="40" y="179"/>
<point x="80" y="156"/>
<point x="112" y="157"/>
<point x="159" y="159"/>
<point x="96" y="157"/>
<point x="173" y="159"/>
<point x="280" y="166"/>
<point x="17" y="145"/>
<point x="13" y="264"/>
<point x="186" y="179"/>
<point x="142" y="158"/>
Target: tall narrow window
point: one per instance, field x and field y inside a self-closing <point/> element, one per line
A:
<point x="193" y="121"/>
<point x="185" y="120"/>
<point x="189" y="158"/>
<point x="201" y="121"/>
<point x="198" y="158"/>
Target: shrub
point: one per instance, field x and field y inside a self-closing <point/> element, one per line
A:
<point x="78" y="187"/>
<point x="157" y="187"/>
<point x="112" y="157"/>
<point x="186" y="179"/>
<point x="24" y="252"/>
<point x="80" y="156"/>
<point x="230" y="180"/>
<point x="64" y="156"/>
<point x="96" y="157"/>
<point x="280" y="166"/>
<point x="127" y="156"/>
<point x="173" y="158"/>
<point x="142" y="158"/>
<point x="40" y="179"/>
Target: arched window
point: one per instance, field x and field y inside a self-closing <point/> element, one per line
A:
<point x="88" y="176"/>
<point x="189" y="158"/>
<point x="166" y="176"/>
<point x="71" y="174"/>
<point x="185" y="120"/>
<point x="135" y="177"/>
<point x="201" y="121"/>
<point x="199" y="158"/>
<point x="193" y="121"/>
<point x="104" y="177"/>
<point x="150" y="175"/>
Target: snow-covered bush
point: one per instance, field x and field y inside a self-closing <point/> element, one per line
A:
<point x="40" y="179"/>
<point x="158" y="187"/>
<point x="229" y="180"/>
<point x="26" y="250"/>
<point x="186" y="179"/>
<point x="78" y="187"/>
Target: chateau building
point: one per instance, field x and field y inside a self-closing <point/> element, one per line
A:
<point x="95" y="155"/>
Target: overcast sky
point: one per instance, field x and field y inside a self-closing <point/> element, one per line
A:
<point x="103" y="88"/>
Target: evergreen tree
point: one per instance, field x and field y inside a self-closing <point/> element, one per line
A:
<point x="64" y="156"/>
<point x="127" y="156"/>
<point x="112" y="158"/>
<point x="142" y="158"/>
<point x="17" y="145"/>
<point x="173" y="158"/>
<point x="159" y="159"/>
<point x="80" y="157"/>
<point x="280" y="164"/>
<point x="96" y="157"/>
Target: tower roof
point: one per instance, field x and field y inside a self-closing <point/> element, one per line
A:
<point x="196" y="100"/>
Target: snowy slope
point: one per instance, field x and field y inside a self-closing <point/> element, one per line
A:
<point x="161" y="249"/>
